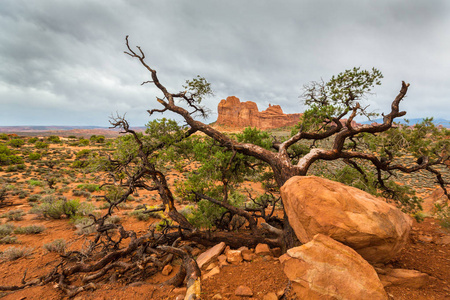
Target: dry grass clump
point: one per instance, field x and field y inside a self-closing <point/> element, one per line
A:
<point x="13" y="253"/>
<point x="58" y="246"/>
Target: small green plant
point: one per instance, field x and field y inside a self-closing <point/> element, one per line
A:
<point x="34" y="156"/>
<point x="90" y="187"/>
<point x="13" y="253"/>
<point x="443" y="214"/>
<point x="41" y="145"/>
<point x="85" y="226"/>
<point x="34" y="182"/>
<point x="54" y="139"/>
<point x="60" y="208"/>
<point x="16" y="143"/>
<point x="58" y="246"/>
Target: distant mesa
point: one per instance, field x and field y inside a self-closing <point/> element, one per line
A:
<point x="234" y="113"/>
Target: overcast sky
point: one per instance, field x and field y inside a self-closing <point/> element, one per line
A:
<point x="62" y="62"/>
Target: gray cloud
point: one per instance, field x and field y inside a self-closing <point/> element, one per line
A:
<point x="63" y="61"/>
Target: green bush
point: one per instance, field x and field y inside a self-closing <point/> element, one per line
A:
<point x="34" y="182"/>
<point x="33" y="140"/>
<point x="41" y="145"/>
<point x="34" y="156"/>
<point x="16" y="143"/>
<point x="4" y="136"/>
<point x="54" y="139"/>
<point x="90" y="187"/>
<point x="7" y="158"/>
<point x="83" y="142"/>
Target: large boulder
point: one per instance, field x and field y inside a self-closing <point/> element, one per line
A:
<point x="327" y="269"/>
<point x="375" y="229"/>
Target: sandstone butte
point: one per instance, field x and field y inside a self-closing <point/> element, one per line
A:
<point x="234" y="113"/>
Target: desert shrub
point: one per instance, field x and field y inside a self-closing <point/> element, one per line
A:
<point x="7" y="158"/>
<point x="79" y="164"/>
<point x="90" y="187"/>
<point x="59" y="208"/>
<point x="34" y="156"/>
<point x="97" y="139"/>
<point x="13" y="253"/>
<point x="72" y="137"/>
<point x="8" y="239"/>
<point x="34" y="182"/>
<point x="33" y="140"/>
<point x="58" y="246"/>
<point x="41" y="145"/>
<point x="139" y="215"/>
<point x="83" y="153"/>
<point x="14" y="215"/>
<point x="54" y="139"/>
<point x="32" y="229"/>
<point x="4" y="136"/>
<point x="6" y="229"/>
<point x="78" y="193"/>
<point x="85" y="226"/>
<point x="83" y="142"/>
<point x="16" y="143"/>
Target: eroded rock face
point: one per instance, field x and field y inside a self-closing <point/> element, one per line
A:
<point x="375" y="229"/>
<point x="327" y="269"/>
<point x="234" y="113"/>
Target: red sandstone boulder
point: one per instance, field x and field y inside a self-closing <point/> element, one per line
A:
<point x="375" y="229"/>
<point x="327" y="269"/>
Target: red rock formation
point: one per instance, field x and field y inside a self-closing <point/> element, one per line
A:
<point x="234" y="113"/>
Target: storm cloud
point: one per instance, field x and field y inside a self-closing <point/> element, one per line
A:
<point x="62" y="62"/>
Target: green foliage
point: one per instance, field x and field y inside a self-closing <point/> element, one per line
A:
<point x="41" y="145"/>
<point x="32" y="140"/>
<point x="34" y="182"/>
<point x="90" y="187"/>
<point x="97" y="139"/>
<point x="4" y="136"/>
<point x="337" y="97"/>
<point x="83" y="153"/>
<point x="7" y="158"/>
<point x="16" y="143"/>
<point x="34" y="156"/>
<point x="198" y="88"/>
<point x="83" y="142"/>
<point x="53" y="139"/>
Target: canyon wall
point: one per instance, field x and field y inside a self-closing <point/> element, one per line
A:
<point x="234" y="113"/>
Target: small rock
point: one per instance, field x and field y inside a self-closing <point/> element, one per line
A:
<point x="445" y="240"/>
<point x="243" y="248"/>
<point x="404" y="277"/>
<point x="425" y="238"/>
<point x="276" y="251"/>
<point x="210" y="254"/>
<point x="179" y="297"/>
<point x="270" y="296"/>
<point x="211" y="266"/>
<point x="248" y="255"/>
<point x="222" y="260"/>
<point x="280" y="293"/>
<point x="234" y="256"/>
<point x="262" y="249"/>
<point x="211" y="273"/>
<point x="244" y="291"/>
<point x="181" y="290"/>
<point x="217" y="297"/>
<point x="167" y="270"/>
